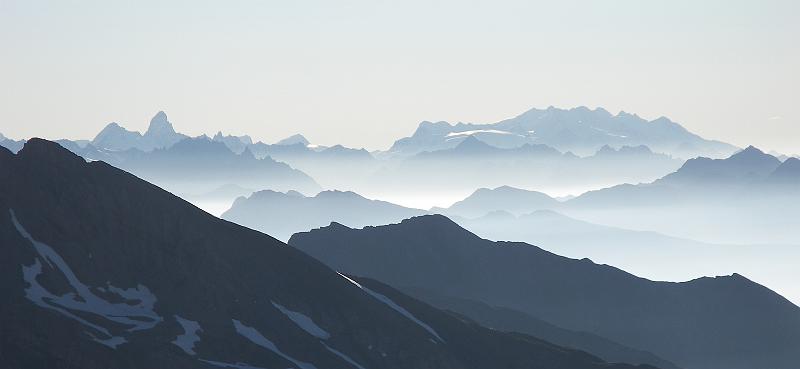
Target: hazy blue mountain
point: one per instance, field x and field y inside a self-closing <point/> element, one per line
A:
<point x="646" y="254"/>
<point x="707" y="323"/>
<point x="160" y="134"/>
<point x="116" y="137"/>
<point x="10" y="144"/>
<point x="283" y="214"/>
<point x="294" y="139"/>
<point x="580" y="130"/>
<point x="471" y="147"/>
<point x="473" y="163"/>
<point x="103" y="270"/>
<point x="787" y="173"/>
<point x="198" y="165"/>
<point x="333" y="167"/>
<point x="514" y="200"/>
<point x="237" y="144"/>
<point x="728" y="200"/>
<point x="750" y="164"/>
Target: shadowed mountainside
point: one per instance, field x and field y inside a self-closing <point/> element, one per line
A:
<point x="706" y="323"/>
<point x="102" y="269"/>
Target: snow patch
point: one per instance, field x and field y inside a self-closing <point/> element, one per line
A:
<point x="476" y="131"/>
<point x="189" y="338"/>
<point x="230" y="365"/>
<point x="608" y="133"/>
<point x="256" y="337"/>
<point x="303" y="321"/>
<point x="387" y="301"/>
<point x="343" y="356"/>
<point x="135" y="311"/>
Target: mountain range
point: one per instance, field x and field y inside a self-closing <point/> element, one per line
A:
<point x="707" y="323"/>
<point x="159" y="135"/>
<point x="748" y="197"/>
<point x="201" y="164"/>
<point x="102" y="269"/>
<point x="580" y="130"/>
<point x="473" y="163"/>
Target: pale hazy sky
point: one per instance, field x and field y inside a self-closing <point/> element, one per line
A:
<point x="365" y="72"/>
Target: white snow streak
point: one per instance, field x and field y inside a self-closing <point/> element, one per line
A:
<point x="136" y="311"/>
<point x="256" y="337"/>
<point x="189" y="338"/>
<point x="230" y="365"/>
<point x="343" y="356"/>
<point x="303" y="321"/>
<point x="395" y="307"/>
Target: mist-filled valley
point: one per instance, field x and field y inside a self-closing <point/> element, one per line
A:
<point x="635" y="241"/>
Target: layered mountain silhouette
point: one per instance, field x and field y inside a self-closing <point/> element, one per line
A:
<point x="707" y="323"/>
<point x="160" y="134"/>
<point x="580" y="130"/>
<point x="750" y="164"/>
<point x="504" y="198"/>
<point x="788" y="173"/>
<point x="334" y="167"/>
<point x="283" y="214"/>
<point x="237" y="144"/>
<point x="473" y="163"/>
<point x="732" y="200"/>
<point x="11" y="145"/>
<point x="101" y="269"/>
<point x="196" y="165"/>
<point x="648" y="254"/>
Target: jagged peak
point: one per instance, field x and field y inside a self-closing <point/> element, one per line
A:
<point x="159" y="125"/>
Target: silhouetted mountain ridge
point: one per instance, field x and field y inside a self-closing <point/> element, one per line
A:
<point x="756" y="327"/>
<point x="116" y="272"/>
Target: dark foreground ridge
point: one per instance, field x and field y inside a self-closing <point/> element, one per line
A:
<point x="708" y="323"/>
<point x="103" y="270"/>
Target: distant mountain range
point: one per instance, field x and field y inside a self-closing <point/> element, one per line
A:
<point x="159" y="135"/>
<point x="101" y="269"/>
<point x="534" y="150"/>
<point x="708" y="323"/>
<point x="749" y="197"/>
<point x="473" y="163"/>
<point x="579" y="130"/>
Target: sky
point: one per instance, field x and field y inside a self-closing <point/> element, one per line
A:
<point x="365" y="72"/>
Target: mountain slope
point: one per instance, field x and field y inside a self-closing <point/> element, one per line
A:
<point x="706" y="323"/>
<point x="283" y="214"/>
<point x="101" y="269"/>
<point x="509" y="320"/>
